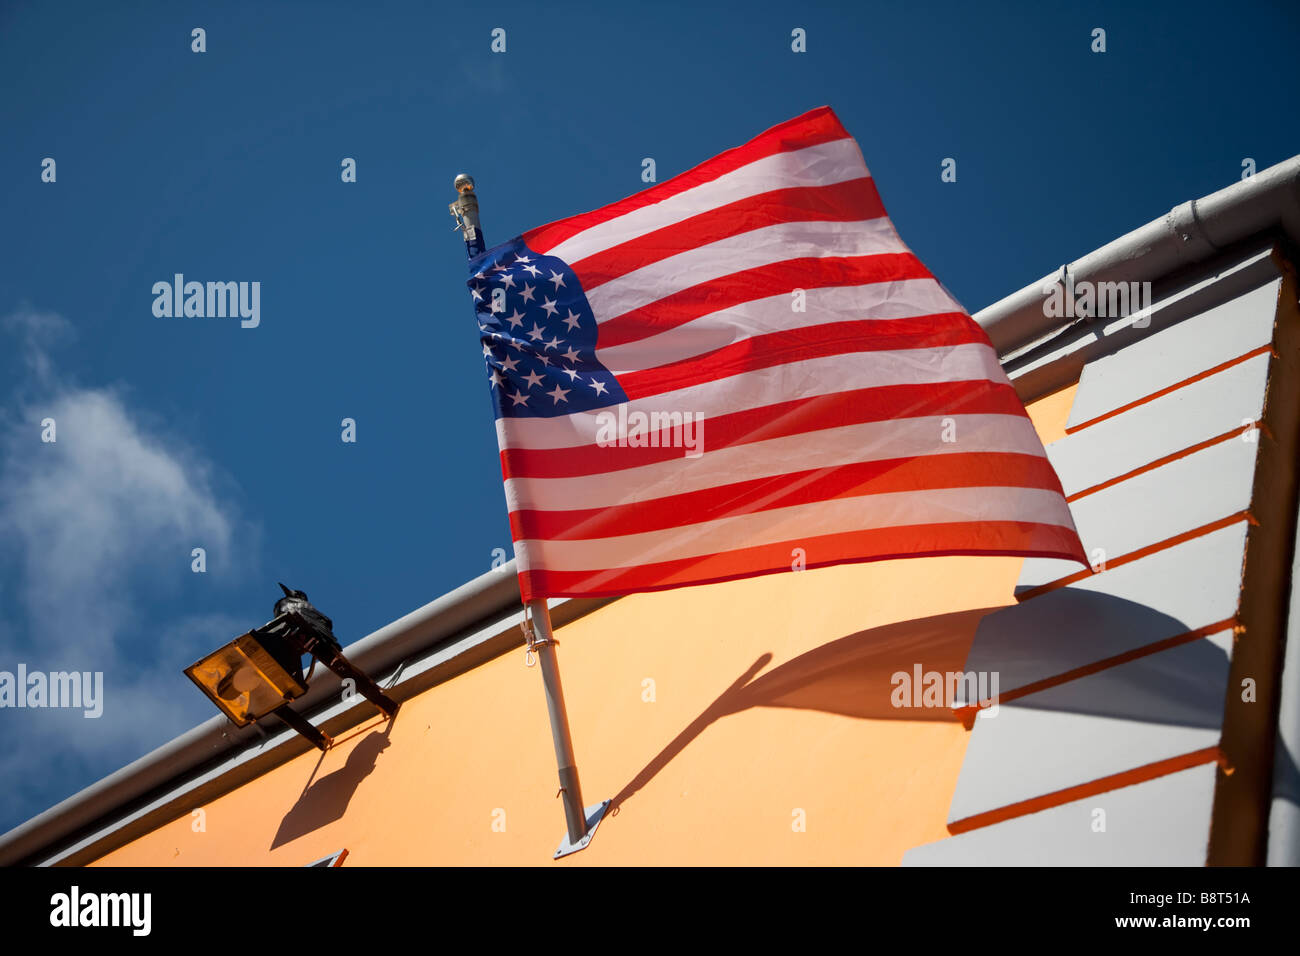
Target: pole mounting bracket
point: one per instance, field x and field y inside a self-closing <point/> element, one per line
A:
<point x="594" y="815"/>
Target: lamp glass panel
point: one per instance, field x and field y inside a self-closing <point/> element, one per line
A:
<point x="244" y="680"/>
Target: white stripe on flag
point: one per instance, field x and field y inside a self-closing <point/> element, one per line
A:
<point x="801" y="522"/>
<point x="749" y="250"/>
<point x="823" y="165"/>
<point x="827" y="375"/>
<point x="825" y="448"/>
<point x="904" y="299"/>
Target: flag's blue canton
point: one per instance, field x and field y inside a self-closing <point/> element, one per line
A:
<point x="538" y="335"/>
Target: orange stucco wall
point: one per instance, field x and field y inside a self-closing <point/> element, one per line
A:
<point x="740" y="723"/>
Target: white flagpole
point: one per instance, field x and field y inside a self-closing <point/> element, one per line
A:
<point x="581" y="821"/>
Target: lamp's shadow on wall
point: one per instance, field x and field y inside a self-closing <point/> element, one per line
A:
<point x="326" y="800"/>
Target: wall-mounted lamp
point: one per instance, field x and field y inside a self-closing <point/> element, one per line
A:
<point x="260" y="672"/>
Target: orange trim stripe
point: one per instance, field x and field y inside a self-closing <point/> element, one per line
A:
<point x="1070" y="430"/>
<point x="967" y="714"/>
<point x="1127" y="778"/>
<point x="1139" y="553"/>
<point x="1151" y="466"/>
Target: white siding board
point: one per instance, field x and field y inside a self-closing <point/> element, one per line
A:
<point x="1180" y="589"/>
<point x="1150" y="709"/>
<point x="1183" y="418"/>
<point x="1176" y="353"/>
<point x="1160" y="822"/>
<point x="1156" y="505"/>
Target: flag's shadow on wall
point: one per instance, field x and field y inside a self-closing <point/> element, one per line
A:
<point x="855" y="676"/>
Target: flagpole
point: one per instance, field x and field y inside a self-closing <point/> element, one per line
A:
<point x="581" y="821"/>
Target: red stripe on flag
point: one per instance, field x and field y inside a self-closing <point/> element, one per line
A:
<point x="852" y="407"/>
<point x="853" y="201"/>
<point x="986" y="538"/>
<point x="776" y="278"/>
<point x="811" y="129"/>
<point x="798" y="345"/>
<point x="921" y="473"/>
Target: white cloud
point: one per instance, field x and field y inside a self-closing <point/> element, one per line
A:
<point x="95" y="528"/>
<point x="92" y="510"/>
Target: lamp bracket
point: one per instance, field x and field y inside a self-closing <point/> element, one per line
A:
<point x="305" y="637"/>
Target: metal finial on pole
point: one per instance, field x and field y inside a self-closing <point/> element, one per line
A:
<point x="465" y="211"/>
<point x="581" y="822"/>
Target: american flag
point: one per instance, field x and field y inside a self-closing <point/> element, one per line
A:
<point x="743" y="370"/>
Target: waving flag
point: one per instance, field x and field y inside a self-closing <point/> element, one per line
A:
<point x="744" y="370"/>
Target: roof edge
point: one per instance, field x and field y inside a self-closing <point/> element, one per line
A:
<point x="1188" y="234"/>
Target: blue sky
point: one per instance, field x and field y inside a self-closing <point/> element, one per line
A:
<point x="225" y="166"/>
